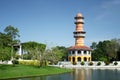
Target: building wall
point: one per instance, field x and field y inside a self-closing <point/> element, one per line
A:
<point x="79" y="55"/>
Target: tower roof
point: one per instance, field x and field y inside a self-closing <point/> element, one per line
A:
<point x="79" y="15"/>
<point x="79" y="48"/>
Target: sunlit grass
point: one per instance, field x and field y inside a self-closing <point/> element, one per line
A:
<point x="8" y="71"/>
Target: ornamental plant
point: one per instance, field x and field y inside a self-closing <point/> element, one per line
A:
<point x="106" y="63"/>
<point x="99" y="63"/>
<point x="74" y="63"/>
<point x="115" y="63"/>
<point x="91" y="63"/>
<point x="82" y="63"/>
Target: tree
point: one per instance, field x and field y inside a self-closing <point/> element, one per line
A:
<point x="106" y="50"/>
<point x="35" y="51"/>
<point x="12" y="32"/>
<point x="60" y="52"/>
<point x="4" y="40"/>
<point x="93" y="46"/>
<point x="51" y="56"/>
<point x="32" y="48"/>
<point x="7" y="40"/>
<point x="5" y="53"/>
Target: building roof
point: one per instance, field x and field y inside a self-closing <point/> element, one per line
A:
<point x="79" y="15"/>
<point x="79" y="48"/>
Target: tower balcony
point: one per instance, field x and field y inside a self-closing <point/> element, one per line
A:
<point x="79" y="17"/>
<point x="79" y="22"/>
<point x="79" y="34"/>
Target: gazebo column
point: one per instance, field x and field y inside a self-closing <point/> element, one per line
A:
<point x="76" y="60"/>
<point x="76" y="56"/>
<point x="82" y="58"/>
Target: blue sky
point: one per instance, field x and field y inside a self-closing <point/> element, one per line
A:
<point x="52" y="21"/>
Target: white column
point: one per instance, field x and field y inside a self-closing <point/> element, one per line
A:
<point x="76" y="52"/>
<point x="20" y="50"/>
<point x="82" y="52"/>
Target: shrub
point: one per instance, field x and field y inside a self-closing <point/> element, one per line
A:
<point x="106" y="63"/>
<point x="91" y="63"/>
<point x="74" y="63"/>
<point x="29" y="62"/>
<point x="99" y="63"/>
<point x="33" y="63"/>
<point x="115" y="63"/>
<point x="15" y="62"/>
<point x="82" y="63"/>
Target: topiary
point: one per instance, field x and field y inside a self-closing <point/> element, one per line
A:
<point x="82" y="63"/>
<point x="99" y="63"/>
<point x="106" y="63"/>
<point x="74" y="63"/>
<point x="115" y="63"/>
<point x="91" y="63"/>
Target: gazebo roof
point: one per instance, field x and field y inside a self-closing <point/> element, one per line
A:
<point x="79" y="48"/>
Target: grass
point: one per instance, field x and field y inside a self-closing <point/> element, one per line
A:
<point x="8" y="71"/>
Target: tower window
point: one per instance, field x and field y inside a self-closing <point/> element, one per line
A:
<point x="79" y="52"/>
<point x="89" y="52"/>
<point x="73" y="52"/>
<point x="85" y="52"/>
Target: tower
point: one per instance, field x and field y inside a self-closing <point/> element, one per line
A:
<point x="79" y="34"/>
<point x="79" y="52"/>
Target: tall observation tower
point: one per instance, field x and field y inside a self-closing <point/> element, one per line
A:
<point x="79" y="52"/>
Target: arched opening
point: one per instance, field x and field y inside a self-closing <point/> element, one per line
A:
<point x="79" y="58"/>
<point x="85" y="59"/>
<point x="89" y="59"/>
<point x="73" y="59"/>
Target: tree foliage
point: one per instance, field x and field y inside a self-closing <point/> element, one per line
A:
<point x="105" y="50"/>
<point x="60" y="52"/>
<point x="7" y="39"/>
<point x="55" y="54"/>
<point x="12" y="32"/>
<point x="33" y="49"/>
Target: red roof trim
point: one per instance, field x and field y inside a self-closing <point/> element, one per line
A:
<point x="79" y="48"/>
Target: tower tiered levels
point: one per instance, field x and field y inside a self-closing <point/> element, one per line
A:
<point x="79" y="52"/>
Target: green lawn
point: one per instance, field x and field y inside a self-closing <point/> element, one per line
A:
<point x="8" y="71"/>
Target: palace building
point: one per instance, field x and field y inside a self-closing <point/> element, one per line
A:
<point x="79" y="52"/>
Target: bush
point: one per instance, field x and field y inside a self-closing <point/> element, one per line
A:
<point x="99" y="63"/>
<point x="106" y="63"/>
<point x="91" y="63"/>
<point x="29" y="62"/>
<point x="115" y="63"/>
<point x="15" y="62"/>
<point x="82" y="63"/>
<point x="33" y="63"/>
<point x="74" y="63"/>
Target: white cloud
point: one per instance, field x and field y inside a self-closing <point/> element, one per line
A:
<point x="110" y="3"/>
<point x="108" y="8"/>
<point x="101" y="16"/>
